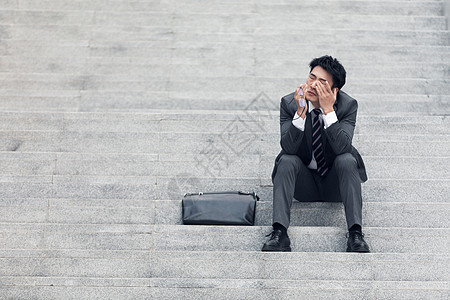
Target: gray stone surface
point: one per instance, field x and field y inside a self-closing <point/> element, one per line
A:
<point x="112" y="110"/>
<point x="364" y="290"/>
<point x="304" y="239"/>
<point x="74" y="267"/>
<point x="314" y="266"/>
<point x="104" y="191"/>
<point x="375" y="214"/>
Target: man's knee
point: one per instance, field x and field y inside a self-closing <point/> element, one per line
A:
<point x="345" y="163"/>
<point x="288" y="159"/>
<point x="288" y="162"/>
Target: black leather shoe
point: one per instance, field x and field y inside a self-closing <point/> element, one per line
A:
<point x="278" y="242"/>
<point x="356" y="242"/>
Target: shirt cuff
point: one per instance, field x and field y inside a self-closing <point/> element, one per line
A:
<point x="298" y="122"/>
<point x="329" y="119"/>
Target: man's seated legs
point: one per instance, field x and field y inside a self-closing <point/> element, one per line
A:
<point x="349" y="183"/>
<point x="285" y="182"/>
<point x="346" y="170"/>
<point x="288" y="169"/>
<point x="341" y="184"/>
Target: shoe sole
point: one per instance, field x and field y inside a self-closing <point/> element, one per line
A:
<point x="271" y="249"/>
<point x="358" y="250"/>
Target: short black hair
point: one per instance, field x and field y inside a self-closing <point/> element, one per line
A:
<point x="332" y="66"/>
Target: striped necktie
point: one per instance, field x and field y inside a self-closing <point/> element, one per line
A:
<point x="317" y="147"/>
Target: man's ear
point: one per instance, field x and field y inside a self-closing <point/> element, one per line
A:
<point x="335" y="91"/>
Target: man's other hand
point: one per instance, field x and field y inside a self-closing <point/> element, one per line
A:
<point x="327" y="97"/>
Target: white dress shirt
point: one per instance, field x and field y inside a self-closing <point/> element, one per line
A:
<point x="327" y="120"/>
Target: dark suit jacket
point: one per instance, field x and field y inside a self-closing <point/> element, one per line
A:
<point x="336" y="139"/>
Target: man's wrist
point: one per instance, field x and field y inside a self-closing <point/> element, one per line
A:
<point x="298" y="122"/>
<point x="301" y="111"/>
<point x="327" y="111"/>
<point x="329" y="119"/>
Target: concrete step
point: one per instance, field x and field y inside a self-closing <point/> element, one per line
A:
<point x="107" y="188"/>
<point x="271" y="21"/>
<point x="399" y="32"/>
<point x="218" y="54"/>
<point x="149" y="144"/>
<point x="387" y="213"/>
<point x="267" y="144"/>
<point x="145" y="102"/>
<point x="227" y="265"/>
<point x="211" y="161"/>
<point x="303" y="239"/>
<point x="138" y="101"/>
<point x="217" y="164"/>
<point x="400" y="8"/>
<point x="90" y="202"/>
<point x="113" y="72"/>
<point x="107" y="73"/>
<point x="205" y="288"/>
<point x="173" y="187"/>
<point x="184" y="238"/>
<point x="111" y="189"/>
<point x="259" y="117"/>
<point x="358" y="8"/>
<point x="374" y="190"/>
<point x="185" y="34"/>
<point x="26" y="16"/>
<point x="375" y="214"/>
<point x="261" y="19"/>
<point x="204" y="86"/>
<point x="160" y="142"/>
<point x="33" y="103"/>
<point x="142" y="146"/>
<point x="268" y="122"/>
<point x="201" y="52"/>
<point x="91" y="101"/>
<point x="323" y="36"/>
<point x="112" y="68"/>
<point x="23" y="138"/>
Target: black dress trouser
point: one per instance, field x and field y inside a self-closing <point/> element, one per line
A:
<point x="294" y="180"/>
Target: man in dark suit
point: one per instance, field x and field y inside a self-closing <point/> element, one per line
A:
<point x="317" y="161"/>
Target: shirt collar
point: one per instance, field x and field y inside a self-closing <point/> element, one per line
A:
<point x="311" y="107"/>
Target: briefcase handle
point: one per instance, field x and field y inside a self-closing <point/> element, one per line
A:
<point x="230" y="192"/>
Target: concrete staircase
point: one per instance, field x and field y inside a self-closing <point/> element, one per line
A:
<point x="111" y="110"/>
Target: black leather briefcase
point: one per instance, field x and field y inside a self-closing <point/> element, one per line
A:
<point x="219" y="208"/>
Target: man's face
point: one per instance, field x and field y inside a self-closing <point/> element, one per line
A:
<point x="317" y="74"/>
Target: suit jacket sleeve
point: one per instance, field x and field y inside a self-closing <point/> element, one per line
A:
<point x="291" y="136"/>
<point x="340" y="134"/>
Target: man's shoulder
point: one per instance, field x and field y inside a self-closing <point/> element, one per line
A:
<point x="345" y="103"/>
<point x="288" y="98"/>
<point x="288" y="104"/>
<point x="345" y="98"/>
